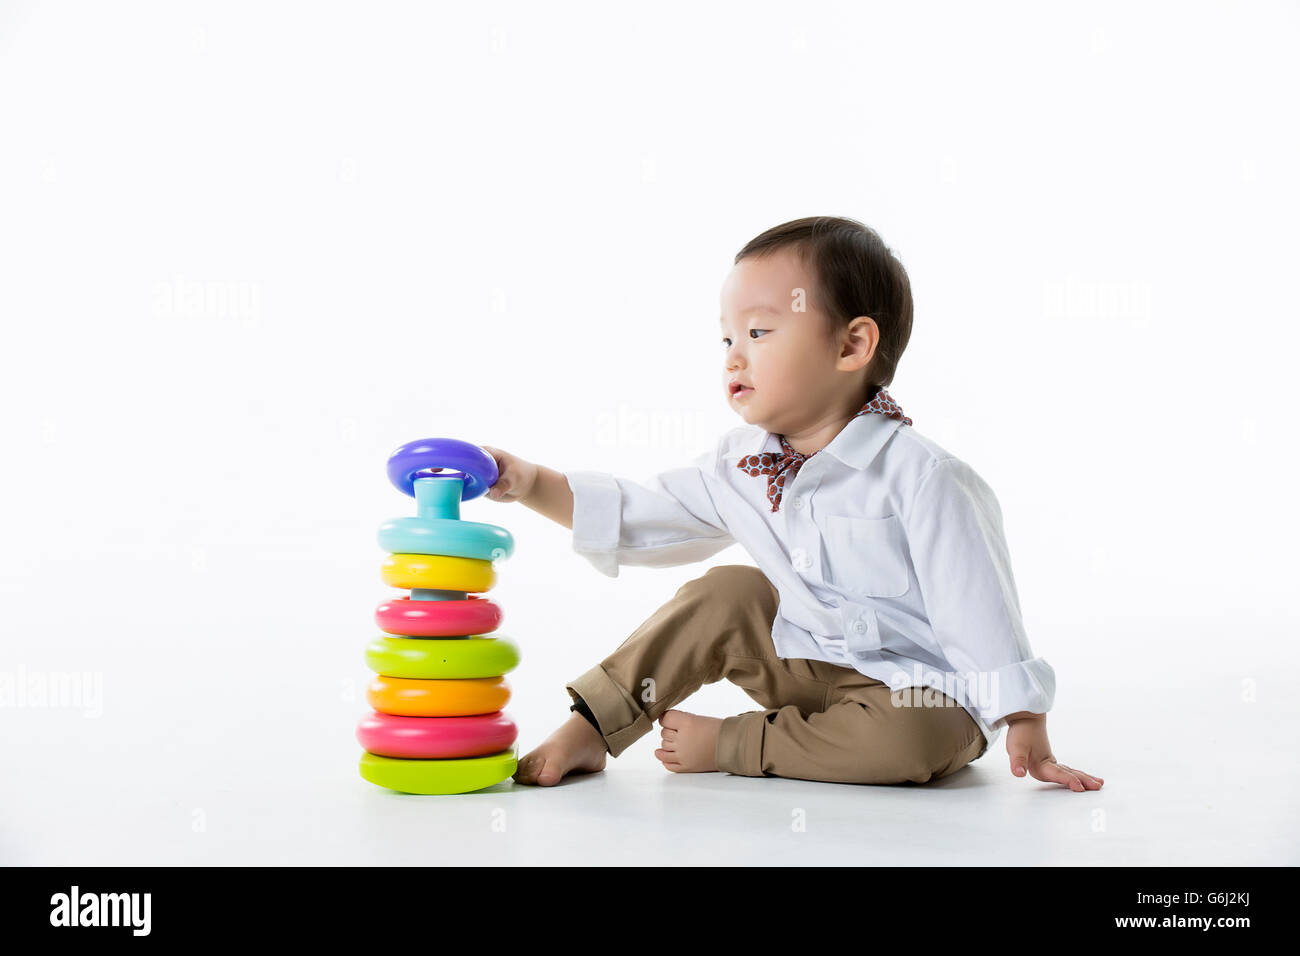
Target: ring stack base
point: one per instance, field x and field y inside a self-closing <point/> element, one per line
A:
<point x="459" y="775"/>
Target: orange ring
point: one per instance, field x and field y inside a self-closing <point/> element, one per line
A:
<point x="446" y="697"/>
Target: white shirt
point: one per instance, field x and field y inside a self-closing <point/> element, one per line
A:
<point x="887" y="551"/>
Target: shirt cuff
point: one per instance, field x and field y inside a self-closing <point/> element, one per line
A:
<point x="1024" y="685"/>
<point x="597" y="514"/>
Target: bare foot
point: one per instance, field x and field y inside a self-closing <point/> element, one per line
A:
<point x="690" y="742"/>
<point x="574" y="746"/>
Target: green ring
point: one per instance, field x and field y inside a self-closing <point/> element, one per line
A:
<point x="442" y="657"/>
<point x="459" y="775"/>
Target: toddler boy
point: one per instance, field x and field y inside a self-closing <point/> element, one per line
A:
<point x="880" y="629"/>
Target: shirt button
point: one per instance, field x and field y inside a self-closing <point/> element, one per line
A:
<point x="860" y="626"/>
<point x="796" y="502"/>
<point x="799" y="557"/>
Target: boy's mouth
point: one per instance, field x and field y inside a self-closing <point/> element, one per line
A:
<point x="736" y="389"/>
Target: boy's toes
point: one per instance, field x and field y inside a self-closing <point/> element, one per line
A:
<point x="536" y="769"/>
<point x="669" y="760"/>
<point x="672" y="719"/>
<point x="549" y="774"/>
<point x="526" y="772"/>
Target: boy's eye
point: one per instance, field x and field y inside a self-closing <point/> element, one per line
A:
<point x="726" y="341"/>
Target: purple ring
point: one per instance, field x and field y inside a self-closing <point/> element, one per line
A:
<point x="476" y="465"/>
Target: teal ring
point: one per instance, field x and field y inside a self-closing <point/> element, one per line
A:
<point x="462" y="539"/>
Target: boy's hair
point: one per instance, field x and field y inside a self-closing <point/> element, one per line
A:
<point x="856" y="274"/>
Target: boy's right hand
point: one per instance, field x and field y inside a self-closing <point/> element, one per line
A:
<point x="515" y="476"/>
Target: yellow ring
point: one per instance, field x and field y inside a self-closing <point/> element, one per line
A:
<point x="443" y="572"/>
<point x="446" y="697"/>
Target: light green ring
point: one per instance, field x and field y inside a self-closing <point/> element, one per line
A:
<point x="430" y="658"/>
<point x="458" y="775"/>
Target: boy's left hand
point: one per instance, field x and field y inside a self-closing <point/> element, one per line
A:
<point x="1029" y="750"/>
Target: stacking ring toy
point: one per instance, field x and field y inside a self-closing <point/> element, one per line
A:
<point x="478" y="467"/>
<point x="437" y="572"/>
<point x="438" y="529"/>
<point x="474" y="615"/>
<point x="407" y="697"/>
<point x="449" y="658"/>
<point x="429" y="738"/>
<point x="438" y="725"/>
<point x="439" y="776"/>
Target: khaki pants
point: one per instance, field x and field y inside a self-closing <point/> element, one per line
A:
<point x="822" y="722"/>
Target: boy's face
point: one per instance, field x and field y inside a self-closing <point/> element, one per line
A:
<point x="785" y="356"/>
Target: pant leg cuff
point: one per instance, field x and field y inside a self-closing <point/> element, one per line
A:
<point x="620" y="720"/>
<point x="740" y="744"/>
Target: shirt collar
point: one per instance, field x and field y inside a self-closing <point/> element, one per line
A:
<point x="856" y="445"/>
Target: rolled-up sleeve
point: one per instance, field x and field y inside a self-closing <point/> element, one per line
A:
<point x="670" y="519"/>
<point x="960" y="554"/>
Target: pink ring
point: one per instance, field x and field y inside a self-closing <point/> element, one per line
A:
<point x="408" y="618"/>
<point x="431" y="738"/>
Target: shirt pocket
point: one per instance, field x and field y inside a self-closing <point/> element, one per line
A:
<point x="865" y="555"/>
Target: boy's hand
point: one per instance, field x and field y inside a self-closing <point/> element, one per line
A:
<point x="1029" y="750"/>
<point x="515" y="478"/>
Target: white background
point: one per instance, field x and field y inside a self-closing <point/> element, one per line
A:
<point x="247" y="249"/>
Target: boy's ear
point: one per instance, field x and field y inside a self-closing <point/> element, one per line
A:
<point x="861" y="340"/>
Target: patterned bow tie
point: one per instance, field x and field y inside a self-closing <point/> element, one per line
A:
<point x="781" y="467"/>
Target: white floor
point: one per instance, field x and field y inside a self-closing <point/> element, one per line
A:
<point x="1200" y="790"/>
<point x="224" y="735"/>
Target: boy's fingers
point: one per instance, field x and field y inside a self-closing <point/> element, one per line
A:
<point x="1020" y="762"/>
<point x="1060" y="775"/>
<point x="1085" y="777"/>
